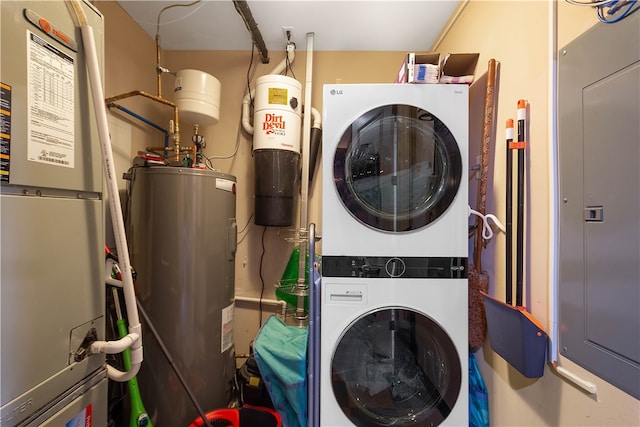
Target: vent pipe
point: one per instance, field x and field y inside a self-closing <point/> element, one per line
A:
<point x="243" y="9"/>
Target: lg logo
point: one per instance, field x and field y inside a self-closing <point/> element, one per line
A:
<point x="336" y="92"/>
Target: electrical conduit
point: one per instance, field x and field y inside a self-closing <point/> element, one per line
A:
<point x="304" y="191"/>
<point x="554" y="333"/>
<point x="134" y="338"/>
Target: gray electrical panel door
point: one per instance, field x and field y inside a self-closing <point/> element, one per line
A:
<point x="599" y="206"/>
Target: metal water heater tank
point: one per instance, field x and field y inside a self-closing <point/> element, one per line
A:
<point x="182" y="235"/>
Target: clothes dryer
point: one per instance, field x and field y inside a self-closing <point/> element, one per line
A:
<point x="395" y="170"/>
<point x="394" y="350"/>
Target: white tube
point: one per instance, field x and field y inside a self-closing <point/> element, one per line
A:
<point x="114" y="195"/>
<point x="554" y="350"/>
<point x="119" y="376"/>
<point x="553" y="188"/>
<point x="583" y="384"/>
<point x="113" y="347"/>
<point x="282" y="304"/>
<point x="317" y="118"/>
<point x="246" y="114"/>
<point x="246" y="101"/>
<point x="113" y="282"/>
<point x="306" y="144"/>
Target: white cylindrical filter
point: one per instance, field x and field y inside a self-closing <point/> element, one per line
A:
<point x="197" y="96"/>
<point x="277" y="113"/>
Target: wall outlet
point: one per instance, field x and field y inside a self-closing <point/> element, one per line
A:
<point x="287" y="32"/>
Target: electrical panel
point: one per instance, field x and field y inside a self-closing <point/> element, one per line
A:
<point x="599" y="202"/>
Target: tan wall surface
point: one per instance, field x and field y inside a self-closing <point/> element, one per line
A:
<point x="516" y="34"/>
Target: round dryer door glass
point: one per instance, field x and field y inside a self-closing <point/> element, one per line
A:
<point x="396" y="367"/>
<point x="397" y="168"/>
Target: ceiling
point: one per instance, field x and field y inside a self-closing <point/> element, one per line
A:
<point x="360" y="25"/>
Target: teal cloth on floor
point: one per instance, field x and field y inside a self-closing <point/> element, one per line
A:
<point x="478" y="396"/>
<point x="281" y="353"/>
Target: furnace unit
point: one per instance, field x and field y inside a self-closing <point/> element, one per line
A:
<point x="52" y="291"/>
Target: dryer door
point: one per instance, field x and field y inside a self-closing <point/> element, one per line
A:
<point x="397" y="168"/>
<point x="396" y="367"/>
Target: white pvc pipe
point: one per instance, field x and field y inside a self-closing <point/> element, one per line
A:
<point x="554" y="352"/>
<point x="246" y="113"/>
<point x="553" y="189"/>
<point x="317" y="118"/>
<point x="113" y="282"/>
<point x="587" y="386"/>
<point x="282" y="304"/>
<point x="306" y="140"/>
<point x="115" y="206"/>
<point x="114" y="347"/>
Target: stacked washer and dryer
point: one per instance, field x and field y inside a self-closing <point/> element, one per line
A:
<point x="394" y="346"/>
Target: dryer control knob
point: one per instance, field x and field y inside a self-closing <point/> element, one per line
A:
<point x="395" y="267"/>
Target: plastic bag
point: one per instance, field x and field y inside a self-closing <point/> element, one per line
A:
<point x="281" y="354"/>
<point x="478" y="396"/>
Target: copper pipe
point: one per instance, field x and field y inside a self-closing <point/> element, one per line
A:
<point x="141" y="93"/>
<point x="158" y="69"/>
<point x="159" y="99"/>
<point x="185" y="149"/>
<point x="176" y="119"/>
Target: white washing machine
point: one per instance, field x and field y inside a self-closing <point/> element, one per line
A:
<point x="395" y="170"/>
<point x="394" y="331"/>
<point x="393" y="352"/>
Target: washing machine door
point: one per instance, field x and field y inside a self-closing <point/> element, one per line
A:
<point x="396" y="367"/>
<point x="397" y="168"/>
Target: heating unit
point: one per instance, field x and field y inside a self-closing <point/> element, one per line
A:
<point x="52" y="274"/>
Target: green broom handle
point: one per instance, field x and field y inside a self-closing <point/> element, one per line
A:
<point x="139" y="416"/>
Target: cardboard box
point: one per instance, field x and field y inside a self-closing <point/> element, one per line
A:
<point x="402" y="77"/>
<point x="419" y="68"/>
<point x="458" y="67"/>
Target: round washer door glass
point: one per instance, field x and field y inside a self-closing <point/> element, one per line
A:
<point x="396" y="367"/>
<point x="397" y="168"/>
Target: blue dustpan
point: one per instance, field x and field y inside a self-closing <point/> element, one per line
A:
<point x="516" y="336"/>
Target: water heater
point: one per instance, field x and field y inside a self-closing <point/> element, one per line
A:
<point x="183" y="236"/>
<point x="276" y="148"/>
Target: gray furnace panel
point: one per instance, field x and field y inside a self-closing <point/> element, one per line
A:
<point x="52" y="275"/>
<point x="599" y="206"/>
